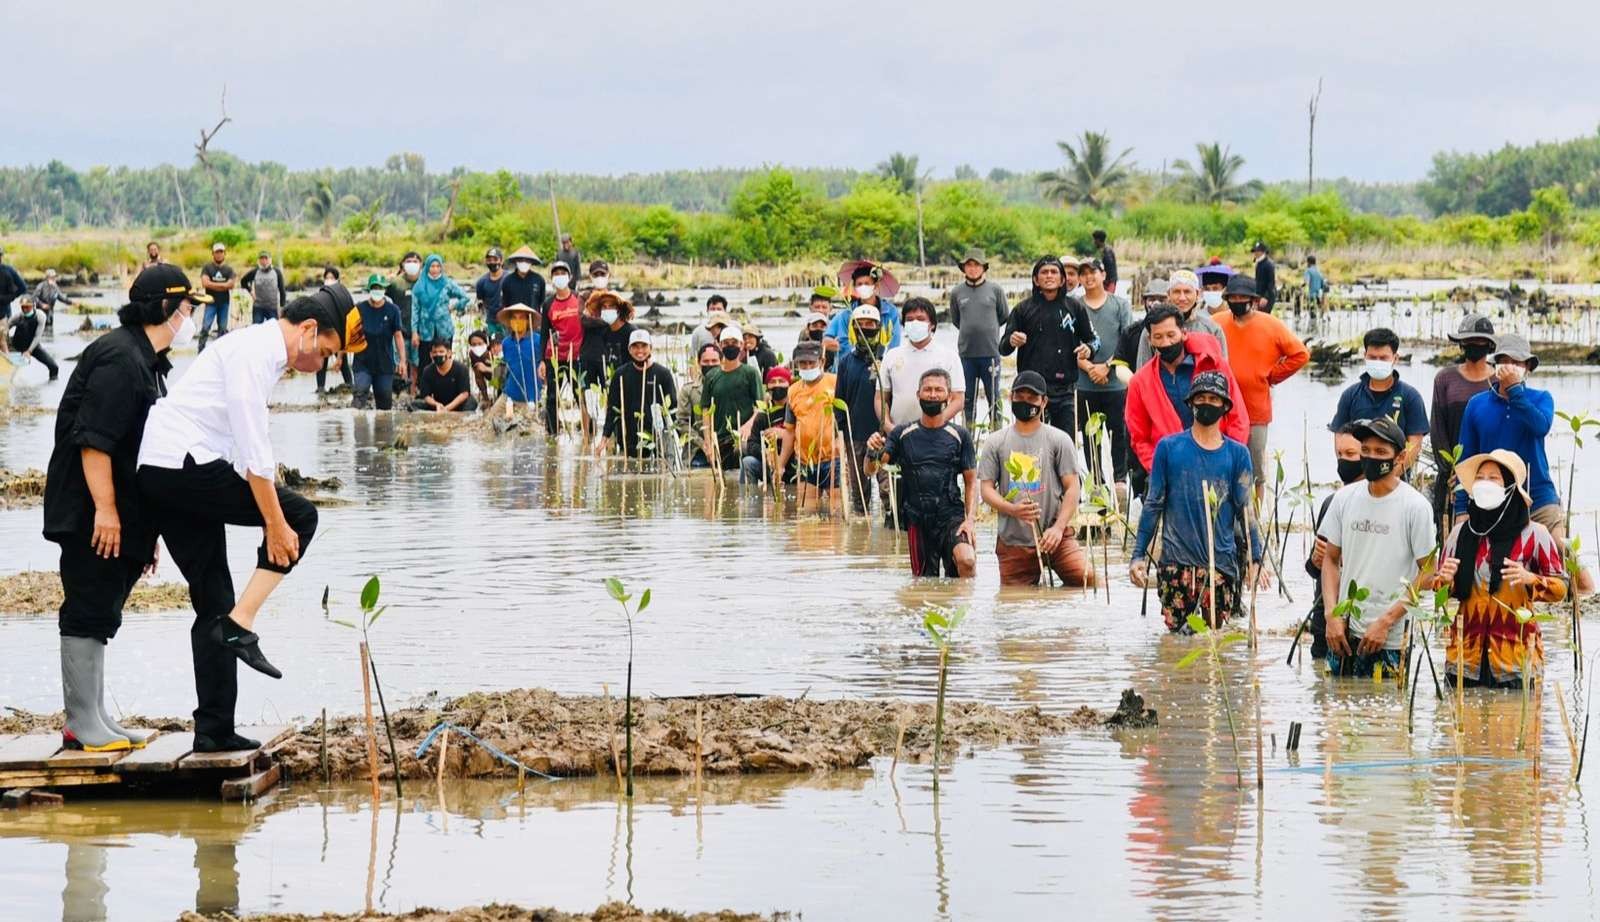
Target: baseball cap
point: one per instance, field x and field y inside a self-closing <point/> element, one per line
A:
<point x="263" y="255"/>
<point x="599" y="267"/>
<point x="1259" y="247"/>
<point x="808" y="350"/>
<point x="1157" y="288"/>
<point x="218" y="246"/>
<point x="158" y="283"/>
<point x="375" y="282"/>
<point x="1030" y="381"/>
<point x="813" y="317"/>
<point x="639" y="336"/>
<point x="731" y="331"/>
<point x="1382" y="428"/>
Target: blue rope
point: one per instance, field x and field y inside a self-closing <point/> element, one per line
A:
<point x="1402" y="763"/>
<point x="427" y="742"/>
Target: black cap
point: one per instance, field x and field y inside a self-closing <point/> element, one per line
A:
<point x="808" y="350"/>
<point x="158" y="283"/>
<point x="1240" y="285"/>
<point x="1260" y="247"/>
<point x="1210" y="382"/>
<point x="495" y="252"/>
<point x="1473" y="326"/>
<point x="1381" y="428"/>
<point x="1030" y="381"/>
<point x="599" y="266"/>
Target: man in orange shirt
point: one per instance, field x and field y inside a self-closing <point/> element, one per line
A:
<point x="1263" y="353"/>
<point x="810" y="436"/>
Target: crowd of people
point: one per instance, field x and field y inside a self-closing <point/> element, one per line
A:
<point x="1166" y="408"/>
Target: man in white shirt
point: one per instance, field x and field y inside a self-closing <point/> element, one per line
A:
<point x="206" y="462"/>
<point x="902" y="368"/>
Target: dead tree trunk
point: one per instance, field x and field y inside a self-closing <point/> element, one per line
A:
<point x="201" y="151"/>
<point x="1311" y="138"/>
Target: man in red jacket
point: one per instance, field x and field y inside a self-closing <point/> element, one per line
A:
<point x="1157" y="406"/>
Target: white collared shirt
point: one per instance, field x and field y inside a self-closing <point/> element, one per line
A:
<point x="218" y="409"/>
<point x="901" y="374"/>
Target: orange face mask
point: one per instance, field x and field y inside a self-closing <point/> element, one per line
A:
<point x="519" y="325"/>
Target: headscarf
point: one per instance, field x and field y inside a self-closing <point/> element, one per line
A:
<point x="1500" y="527"/>
<point x="428" y="291"/>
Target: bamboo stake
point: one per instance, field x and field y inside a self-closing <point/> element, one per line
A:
<point x="900" y="739"/>
<point x="444" y="748"/>
<point x="699" y="738"/>
<point x="324" y="746"/>
<point x="1566" y="723"/>
<point x="1261" y="782"/>
<point x="616" y="754"/>
<point x="372" y="731"/>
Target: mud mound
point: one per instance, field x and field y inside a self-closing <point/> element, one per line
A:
<point x="561" y="735"/>
<point x="37" y="592"/>
<point x="21" y="488"/>
<point x="495" y="912"/>
<point x="17" y="720"/>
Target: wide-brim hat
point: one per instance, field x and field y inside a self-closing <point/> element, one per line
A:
<point x="525" y="252"/>
<point x="504" y="314"/>
<point x="1515" y="346"/>
<point x="1467" y="470"/>
<point x="718" y="318"/>
<point x="600" y="300"/>
<point x="1213" y="383"/>
<point x="888" y="285"/>
<point x="1473" y="326"/>
<point x="974" y="255"/>
<point x="1217" y="268"/>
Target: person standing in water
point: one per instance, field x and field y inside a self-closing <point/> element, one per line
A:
<point x="267" y="287"/>
<point x="92" y="506"/>
<point x="206" y="462"/>
<point x="978" y="309"/>
<point x="1453" y="387"/>
<point x="219" y="280"/>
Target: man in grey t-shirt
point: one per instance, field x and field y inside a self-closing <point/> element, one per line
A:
<point x="1028" y="473"/>
<point x="978" y="309"/>
<point x="1379" y="534"/>
<point x="266" y="286"/>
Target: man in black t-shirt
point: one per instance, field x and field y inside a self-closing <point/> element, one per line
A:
<point x="444" y="386"/>
<point x="938" y="482"/>
<point x="218" y="280"/>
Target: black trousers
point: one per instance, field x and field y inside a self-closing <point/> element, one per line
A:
<point x="45" y="359"/>
<point x="1113" y="404"/>
<point x="190" y="508"/>
<point x="344" y="371"/>
<point x="96" y="589"/>
<point x="1058" y="413"/>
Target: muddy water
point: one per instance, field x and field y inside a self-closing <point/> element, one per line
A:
<point x="491" y="554"/>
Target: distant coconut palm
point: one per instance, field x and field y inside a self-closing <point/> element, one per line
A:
<point x="1216" y="179"/>
<point x="1092" y="176"/>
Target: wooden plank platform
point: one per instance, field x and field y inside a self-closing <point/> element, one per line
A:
<point x="77" y="758"/>
<point x="268" y="734"/>
<point x="30" y="751"/>
<point x="161" y="755"/>
<point x="252" y="786"/>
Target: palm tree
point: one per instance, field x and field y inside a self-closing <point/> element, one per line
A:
<point x="1216" y="179"/>
<point x="1092" y="176"/>
<point x="319" y="206"/>
<point x="901" y="170"/>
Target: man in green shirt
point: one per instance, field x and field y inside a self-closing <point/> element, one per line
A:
<point x="730" y="392"/>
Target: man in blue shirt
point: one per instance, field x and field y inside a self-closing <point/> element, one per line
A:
<point x="1381" y="393"/>
<point x="1514" y="416"/>
<point x="1187" y="465"/>
<point x="865" y="280"/>
<point x="1316" y="283"/>
<point x="856" y="385"/>
<point x="488" y="289"/>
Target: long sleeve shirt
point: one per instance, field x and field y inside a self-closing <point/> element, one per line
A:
<point x="1176" y="495"/>
<point x="978" y="311"/>
<point x="1055" y="329"/>
<point x="218" y="409"/>
<point x="1517" y="421"/>
<point x="1263" y="354"/>
<point x="634" y="394"/>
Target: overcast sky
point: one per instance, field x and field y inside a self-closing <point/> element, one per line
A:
<point x="613" y="86"/>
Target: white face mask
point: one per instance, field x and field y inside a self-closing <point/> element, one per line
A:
<point x="523" y="266"/>
<point x="809" y="375"/>
<point x="1211" y="298"/>
<point x="376" y="297"/>
<point x="1379" y="370"/>
<point x="183" y="334"/>
<point x="561" y="281"/>
<point x="601" y="282"/>
<point x="478" y="351"/>
<point x="329" y="280"/>
<point x="917" y="330"/>
<point x="1518" y="372"/>
<point x="1486" y="494"/>
<point x="608" y="315"/>
<point x="411" y="269"/>
<point x="863" y="292"/>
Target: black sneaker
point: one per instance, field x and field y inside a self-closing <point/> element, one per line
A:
<point x="243" y="644"/>
<point x="233" y="742"/>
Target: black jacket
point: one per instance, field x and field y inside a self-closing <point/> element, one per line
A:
<point x="515" y="289"/>
<point x="12" y="286"/>
<point x="24" y="329"/>
<point x="1055" y="329"/>
<point x="118" y="379"/>
<point x="1267" y="281"/>
<point x="632" y="393"/>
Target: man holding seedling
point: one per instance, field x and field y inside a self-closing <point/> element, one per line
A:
<point x="939" y="477"/>
<point x="1200" y="493"/>
<point x="811" y="438"/>
<point x="1029" y="476"/>
<point x="1379" y="534"/>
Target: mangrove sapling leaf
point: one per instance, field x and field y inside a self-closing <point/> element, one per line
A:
<point x="940" y="624"/>
<point x="370" y="611"/>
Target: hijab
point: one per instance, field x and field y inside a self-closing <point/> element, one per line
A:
<point x="1500" y="527"/>
<point x="429" y="291"/>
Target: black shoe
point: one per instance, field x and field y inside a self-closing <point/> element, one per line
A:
<point x="233" y="742"/>
<point x="243" y="644"/>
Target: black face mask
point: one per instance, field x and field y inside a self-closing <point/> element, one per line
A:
<point x="706" y="368"/>
<point x="1239" y="308"/>
<point x="1376" y="468"/>
<point x="1476" y="352"/>
<point x="815" y="335"/>
<point x="1024" y="411"/>
<point x="1350" y="470"/>
<point x="778" y="394"/>
<point x="1171" y="352"/>
<point x="932" y="407"/>
<point x="866" y="343"/>
<point x="439" y="360"/>
<point x="730" y="352"/>
<point x="1208" y="414"/>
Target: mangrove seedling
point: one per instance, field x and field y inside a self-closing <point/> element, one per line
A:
<point x="1023" y="469"/>
<point x="1215" y="642"/>
<point x="370" y="613"/>
<point x="941" y="623"/>
<point x="620" y="593"/>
